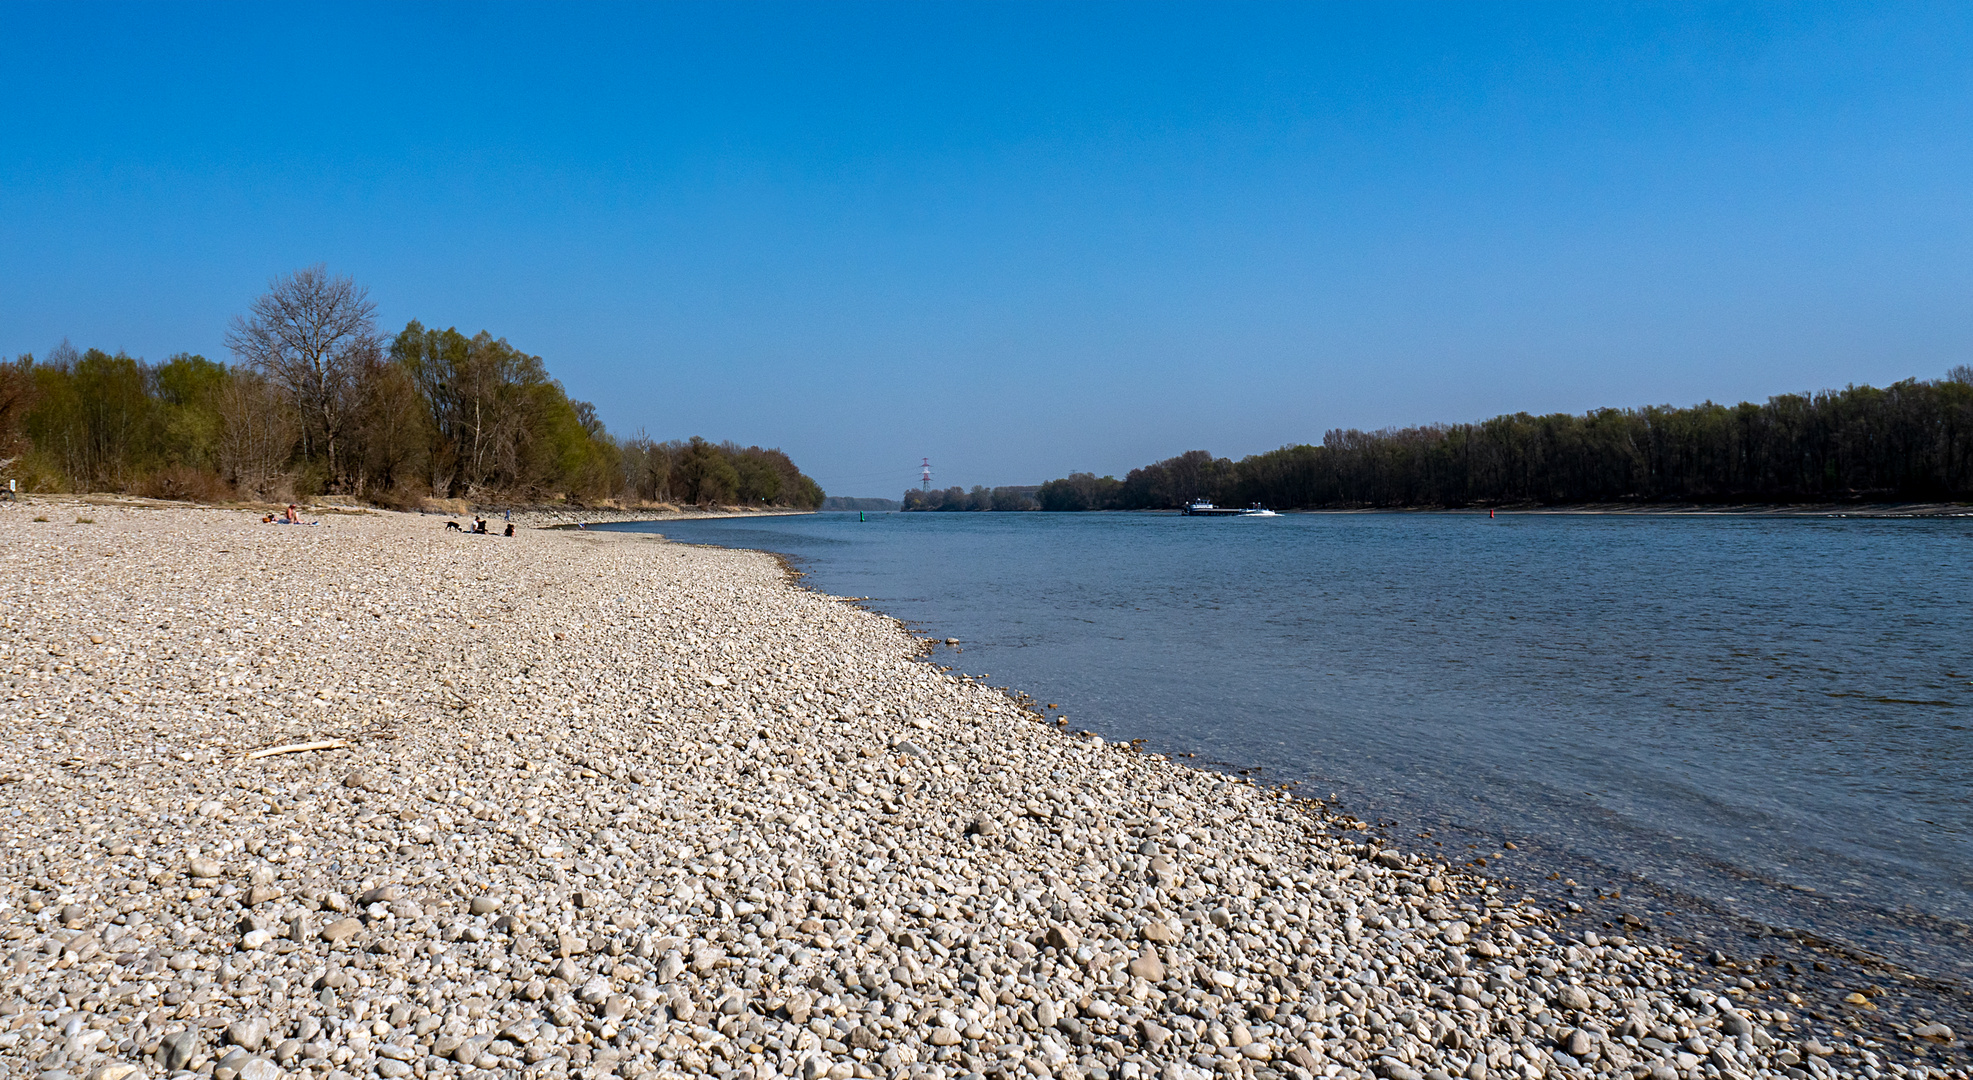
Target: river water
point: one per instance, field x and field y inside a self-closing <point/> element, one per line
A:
<point x="1773" y="715"/>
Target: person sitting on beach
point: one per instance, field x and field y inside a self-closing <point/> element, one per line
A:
<point x="479" y="525"/>
<point x="294" y="516"/>
<point x="454" y="526"/>
<point x="510" y="528"/>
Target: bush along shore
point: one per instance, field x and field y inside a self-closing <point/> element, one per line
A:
<point x="371" y="799"/>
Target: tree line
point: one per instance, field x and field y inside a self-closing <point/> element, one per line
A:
<point x="1911" y="441"/>
<point x="980" y="498"/>
<point x="851" y="502"/>
<point x="318" y="401"/>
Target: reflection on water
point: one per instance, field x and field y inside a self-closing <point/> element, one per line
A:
<point x="1739" y="708"/>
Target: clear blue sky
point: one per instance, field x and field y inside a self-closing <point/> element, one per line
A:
<point x="1020" y="240"/>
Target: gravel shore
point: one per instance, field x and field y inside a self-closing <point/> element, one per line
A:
<point x="535" y="517"/>
<point x="597" y="804"/>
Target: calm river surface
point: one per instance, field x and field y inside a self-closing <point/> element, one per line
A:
<point x="1773" y="715"/>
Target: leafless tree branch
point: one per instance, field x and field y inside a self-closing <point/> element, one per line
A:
<point x="310" y="334"/>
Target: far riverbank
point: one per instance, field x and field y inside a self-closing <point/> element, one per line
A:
<point x="1806" y="510"/>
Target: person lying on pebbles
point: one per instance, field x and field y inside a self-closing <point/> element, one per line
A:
<point x="659" y="812"/>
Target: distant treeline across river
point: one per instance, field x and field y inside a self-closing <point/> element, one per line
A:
<point x="1908" y="442"/>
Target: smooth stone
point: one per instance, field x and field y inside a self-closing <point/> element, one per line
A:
<point x="341" y="930"/>
<point x="1147" y="966"/>
<point x="177" y="1048"/>
<point x="247" y="1034"/>
<point x="228" y="1067"/>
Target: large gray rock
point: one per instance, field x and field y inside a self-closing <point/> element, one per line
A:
<point x="176" y="1049"/>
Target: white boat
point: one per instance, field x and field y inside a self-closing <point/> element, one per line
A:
<point x="1203" y="508"/>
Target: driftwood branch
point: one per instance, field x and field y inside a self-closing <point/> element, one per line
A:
<point x="297" y="748"/>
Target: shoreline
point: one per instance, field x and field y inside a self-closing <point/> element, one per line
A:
<point x="613" y="805"/>
<point x="528" y="517"/>
<point x="1795" y="968"/>
<point x="572" y="519"/>
<point x="1801" y="510"/>
<point x="1784" y="510"/>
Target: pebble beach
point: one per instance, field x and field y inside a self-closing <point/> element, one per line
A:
<point x="370" y="799"/>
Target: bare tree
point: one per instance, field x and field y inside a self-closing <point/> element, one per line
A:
<point x="257" y="433"/>
<point x="311" y="335"/>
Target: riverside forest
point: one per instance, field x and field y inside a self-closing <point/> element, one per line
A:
<point x="1911" y="441"/>
<point x="318" y="402"/>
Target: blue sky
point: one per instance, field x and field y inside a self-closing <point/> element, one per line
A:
<point x="1020" y="239"/>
